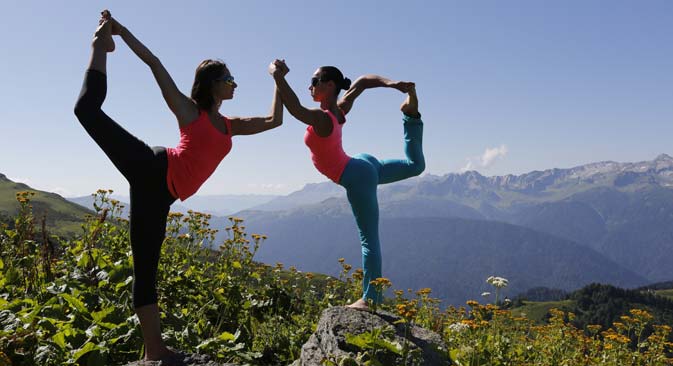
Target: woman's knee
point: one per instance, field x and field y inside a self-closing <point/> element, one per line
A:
<point x="417" y="167"/>
<point x="85" y="111"/>
<point x="81" y="110"/>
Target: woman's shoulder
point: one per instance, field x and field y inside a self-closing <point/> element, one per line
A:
<point x="340" y="117"/>
<point x="195" y="119"/>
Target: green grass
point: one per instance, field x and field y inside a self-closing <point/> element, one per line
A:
<point x="63" y="217"/>
<point x="665" y="293"/>
<point x="537" y="311"/>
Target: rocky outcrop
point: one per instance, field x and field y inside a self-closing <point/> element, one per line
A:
<point x="329" y="342"/>
<point x="329" y="339"/>
<point x="186" y="360"/>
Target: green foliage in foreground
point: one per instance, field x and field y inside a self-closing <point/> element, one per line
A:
<point x="70" y="303"/>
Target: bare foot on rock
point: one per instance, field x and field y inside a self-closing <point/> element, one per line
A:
<point x="360" y="304"/>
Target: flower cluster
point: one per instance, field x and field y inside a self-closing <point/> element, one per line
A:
<point x="497" y="282"/>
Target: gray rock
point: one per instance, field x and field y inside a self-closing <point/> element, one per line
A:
<point x="187" y="360"/>
<point x="329" y="340"/>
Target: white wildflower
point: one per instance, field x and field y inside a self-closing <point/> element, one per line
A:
<point x="458" y="327"/>
<point x="497" y="282"/>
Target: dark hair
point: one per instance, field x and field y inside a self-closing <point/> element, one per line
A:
<point x="331" y="73"/>
<point x="206" y="73"/>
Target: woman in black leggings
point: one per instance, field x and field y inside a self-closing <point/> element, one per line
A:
<point x="158" y="176"/>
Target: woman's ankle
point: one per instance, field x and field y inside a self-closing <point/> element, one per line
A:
<point x="103" y="38"/>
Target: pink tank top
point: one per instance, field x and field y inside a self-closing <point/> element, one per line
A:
<point x="327" y="153"/>
<point x="201" y="149"/>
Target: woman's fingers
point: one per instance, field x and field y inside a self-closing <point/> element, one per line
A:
<point x="405" y="86"/>
<point x="281" y="66"/>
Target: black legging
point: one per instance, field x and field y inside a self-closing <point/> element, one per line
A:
<point x="145" y="169"/>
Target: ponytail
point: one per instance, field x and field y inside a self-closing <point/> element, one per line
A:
<point x="331" y="73"/>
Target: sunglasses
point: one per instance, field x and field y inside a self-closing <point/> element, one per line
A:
<point x="315" y="81"/>
<point x="229" y="80"/>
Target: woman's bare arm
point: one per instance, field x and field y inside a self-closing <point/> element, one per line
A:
<point x="367" y="82"/>
<point x="253" y="125"/>
<point x="184" y="109"/>
<point x="313" y="117"/>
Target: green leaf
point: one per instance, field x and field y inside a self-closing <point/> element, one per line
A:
<point x="28" y="318"/>
<point x="373" y="362"/>
<point x="226" y="336"/>
<point x="13" y="276"/>
<point x="359" y="341"/>
<point x="121" y="285"/>
<point x="454" y="356"/>
<point x="59" y="339"/>
<point x="93" y="331"/>
<point x="99" y="316"/>
<point x="75" y="303"/>
<point x="390" y="346"/>
<point x="83" y="260"/>
<point x="372" y="340"/>
<point x="219" y="297"/>
<point x="10" y="233"/>
<point x="237" y="265"/>
<point x="88" y="347"/>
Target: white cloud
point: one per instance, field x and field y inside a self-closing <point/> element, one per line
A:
<point x="63" y="192"/>
<point x="25" y="181"/>
<point x="58" y="190"/>
<point x="267" y="187"/>
<point x="490" y="155"/>
<point x="468" y="166"/>
<point x="487" y="158"/>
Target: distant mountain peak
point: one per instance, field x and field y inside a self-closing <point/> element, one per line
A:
<point x="603" y="173"/>
<point x="663" y="157"/>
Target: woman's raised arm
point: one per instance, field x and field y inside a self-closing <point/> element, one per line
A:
<point x="184" y="109"/>
<point x="313" y="117"/>
<point x="368" y="82"/>
<point x="253" y="125"/>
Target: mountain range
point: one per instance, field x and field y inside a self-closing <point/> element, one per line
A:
<point x="219" y="205"/>
<point x="602" y="222"/>
<point x="621" y="213"/>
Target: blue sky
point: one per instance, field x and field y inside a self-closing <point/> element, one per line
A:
<point x="505" y="87"/>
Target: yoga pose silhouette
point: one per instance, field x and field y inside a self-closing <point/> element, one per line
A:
<point x="158" y="176"/>
<point x="360" y="174"/>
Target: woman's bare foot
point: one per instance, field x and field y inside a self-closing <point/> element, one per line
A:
<point x="103" y="36"/>
<point x="167" y="357"/>
<point x="410" y="105"/>
<point x="360" y="304"/>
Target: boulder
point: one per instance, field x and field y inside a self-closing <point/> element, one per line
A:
<point x="329" y="339"/>
<point x="188" y="360"/>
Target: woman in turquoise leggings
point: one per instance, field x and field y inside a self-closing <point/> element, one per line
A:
<point x="360" y="174"/>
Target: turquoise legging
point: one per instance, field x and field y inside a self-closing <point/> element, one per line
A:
<point x="360" y="178"/>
